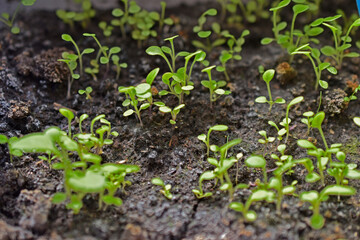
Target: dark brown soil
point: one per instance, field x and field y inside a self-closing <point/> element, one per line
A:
<point x="31" y="93"/>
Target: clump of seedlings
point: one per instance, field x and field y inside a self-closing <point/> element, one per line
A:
<point x="9" y="20"/>
<point x="267" y="76"/>
<point x="87" y="91"/>
<point x="84" y="17"/>
<point x="174" y="112"/>
<point x="220" y="173"/>
<point x="165" y="188"/>
<point x="315" y="198"/>
<point x="215" y="87"/>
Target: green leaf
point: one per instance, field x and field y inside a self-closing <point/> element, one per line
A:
<point x="317" y="221"/>
<point x="144" y="106"/>
<point x="158" y="182"/>
<point x="268" y="75"/>
<point x="338" y="190"/>
<point x="91" y="182"/>
<point x="58" y="198"/>
<point x="154" y="50"/>
<point x="332" y="70"/>
<point x="204" y="34"/>
<point x="357" y="121"/>
<point x="296" y="101"/>
<point x="261" y="99"/>
<point x="305" y="144"/>
<point x="128" y="112"/>
<point x="3" y="139"/>
<point x="281" y="4"/>
<point x="255" y="162"/>
<point x="300" y="8"/>
<point x="66" y="37"/>
<point x="210" y="12"/>
<point x="114" y="50"/>
<point x="237" y="206"/>
<point x="104" y="60"/>
<point x="323" y="84"/>
<point x="266" y="41"/>
<point x="142" y="88"/>
<point x="15" y="30"/>
<point x="324" y="65"/>
<point x="110" y="200"/>
<point x="318" y="120"/>
<point x="165" y="109"/>
<point x="117" y="12"/>
<point x="219" y="128"/>
<point x="28" y="2"/>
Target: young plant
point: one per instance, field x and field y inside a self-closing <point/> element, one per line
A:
<point x="341" y="42"/>
<point x="10" y="20"/>
<point x="256" y="196"/>
<point x="314" y="56"/>
<point x="140" y="93"/>
<point x="256" y="161"/>
<point x="214" y="86"/>
<point x="174" y="112"/>
<point x="341" y="170"/>
<point x="265" y="141"/>
<point x="206" y="138"/>
<point x="68" y="38"/>
<point x="307" y="121"/>
<point x="123" y="16"/>
<point x="69" y="17"/>
<point x="277" y="184"/>
<point x="314" y="198"/>
<point x="93" y="70"/>
<point x="107" y="29"/>
<point x="105" y="51"/>
<point x="87" y="91"/>
<point x="115" y="59"/>
<point x="165" y="188"/>
<point x="205" y="34"/>
<point x="286" y="121"/>
<point x="235" y="48"/>
<point x="71" y="61"/>
<point x="162" y="51"/>
<point x="70" y="116"/>
<point x="163" y="20"/>
<point x="179" y="83"/>
<point x="267" y="77"/>
<point x="220" y="173"/>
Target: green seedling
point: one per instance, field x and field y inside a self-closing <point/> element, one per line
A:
<point x="314" y="55"/>
<point x="70" y="116"/>
<point x="205" y="34"/>
<point x="179" y="83"/>
<point x="9" y="21"/>
<point x="107" y="29"/>
<point x="166" y="188"/>
<point x="307" y="121"/>
<point x="220" y="173"/>
<point x="253" y="9"/>
<point x="104" y="50"/>
<point x="162" y="51"/>
<point x="47" y="158"/>
<point x="286" y="121"/>
<point x="353" y="95"/>
<point x="93" y="70"/>
<point x="71" y="61"/>
<point x="68" y="38"/>
<point x="256" y="196"/>
<point x="87" y="91"/>
<point x="291" y="40"/>
<point x="341" y="170"/>
<point x="69" y="17"/>
<point x="115" y="59"/>
<point x="134" y="95"/>
<point x="174" y="112"/>
<point x="214" y="86"/>
<point x="280" y="132"/>
<point x="235" y="48"/>
<point x="163" y="20"/>
<point x="267" y="77"/>
<point x="206" y="138"/>
<point x="142" y="23"/>
<point x="265" y="140"/>
<point x="123" y="16"/>
<point x="341" y="42"/>
<point x="277" y="184"/>
<point x="314" y="198"/>
<point x="283" y="159"/>
<point x="257" y="161"/>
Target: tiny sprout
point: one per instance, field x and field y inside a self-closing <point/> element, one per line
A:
<point x="286" y="121"/>
<point x="163" y="20"/>
<point x="68" y="38"/>
<point x="215" y="87"/>
<point x="69" y="115"/>
<point x="70" y="60"/>
<point x="256" y="196"/>
<point x="206" y="139"/>
<point x="314" y="198"/>
<point x="256" y="161"/>
<point x="166" y="188"/>
<point x="265" y="141"/>
<point x="115" y="59"/>
<point x="87" y="92"/>
<point x="267" y="76"/>
<point x="174" y="112"/>
<point x="307" y="121"/>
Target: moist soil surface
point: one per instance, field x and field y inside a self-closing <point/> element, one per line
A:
<point x="33" y="88"/>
